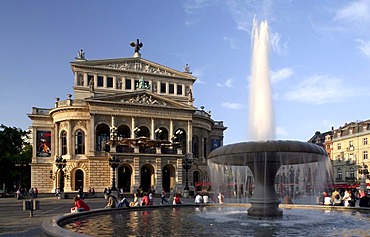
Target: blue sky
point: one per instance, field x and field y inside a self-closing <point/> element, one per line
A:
<point x="320" y="55"/>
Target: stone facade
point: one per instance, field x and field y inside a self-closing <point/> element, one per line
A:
<point x="130" y="109"/>
<point x="351" y="145"/>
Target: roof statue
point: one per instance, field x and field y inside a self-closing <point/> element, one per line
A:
<point x="80" y="55"/>
<point x="137" y="47"/>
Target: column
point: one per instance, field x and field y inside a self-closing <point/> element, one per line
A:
<point x="95" y="81"/>
<point x="75" y="78"/>
<point x="175" y="88"/>
<point x="132" y="84"/>
<point x="167" y="87"/>
<point x="183" y="89"/>
<point x="132" y="127"/>
<point x="92" y="135"/>
<point x="189" y="145"/>
<point x="70" y="139"/>
<point x="158" y="87"/>
<point x="56" y="150"/>
<point x="86" y="83"/>
<point x="171" y="129"/>
<point x="114" y="82"/>
<point x="152" y="135"/>
<point x="105" y="81"/>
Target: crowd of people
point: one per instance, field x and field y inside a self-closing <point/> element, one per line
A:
<point x="23" y="193"/>
<point x="140" y="198"/>
<point x="348" y="198"/>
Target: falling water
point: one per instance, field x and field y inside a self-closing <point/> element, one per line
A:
<point x="261" y="114"/>
<point x="265" y="170"/>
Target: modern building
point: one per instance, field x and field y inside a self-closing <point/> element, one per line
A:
<point x="350" y="153"/>
<point x="130" y="122"/>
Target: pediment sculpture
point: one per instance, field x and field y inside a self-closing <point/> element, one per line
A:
<point x="143" y="99"/>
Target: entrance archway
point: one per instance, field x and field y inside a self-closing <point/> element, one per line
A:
<point x="168" y="177"/>
<point x="146" y="177"/>
<point x="124" y="178"/>
<point x="79" y="180"/>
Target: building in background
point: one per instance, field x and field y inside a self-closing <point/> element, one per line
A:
<point x="350" y="153"/>
<point x="129" y="123"/>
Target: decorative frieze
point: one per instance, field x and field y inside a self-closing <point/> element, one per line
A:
<point x="138" y="66"/>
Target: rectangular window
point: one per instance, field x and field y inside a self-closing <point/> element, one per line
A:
<point x="365" y="155"/>
<point x="128" y="84"/>
<point x="365" y="141"/>
<point x="163" y="87"/>
<point x="110" y="82"/>
<point x="171" y="89"/>
<point x="179" y="89"/>
<point x="339" y="146"/>
<point x="100" y="81"/>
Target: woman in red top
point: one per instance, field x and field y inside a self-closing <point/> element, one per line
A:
<point x="176" y="200"/>
<point x="79" y="205"/>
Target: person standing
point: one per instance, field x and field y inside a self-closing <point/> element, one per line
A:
<point x="198" y="199"/>
<point x="347" y="198"/>
<point x="163" y="197"/>
<point x="221" y="198"/>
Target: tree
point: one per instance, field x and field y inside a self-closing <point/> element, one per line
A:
<point x="15" y="155"/>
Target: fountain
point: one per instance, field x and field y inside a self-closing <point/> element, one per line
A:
<point x="263" y="155"/>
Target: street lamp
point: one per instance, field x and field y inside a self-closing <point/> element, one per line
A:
<point x="114" y="163"/>
<point x="186" y="164"/>
<point x="60" y="163"/>
<point x="363" y="170"/>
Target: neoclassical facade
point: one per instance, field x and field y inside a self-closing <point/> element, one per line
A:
<point x="132" y="111"/>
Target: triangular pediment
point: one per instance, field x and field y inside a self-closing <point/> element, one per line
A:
<point x="133" y="65"/>
<point x="140" y="98"/>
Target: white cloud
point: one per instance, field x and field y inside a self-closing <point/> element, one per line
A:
<point x="191" y="6"/>
<point x="322" y="89"/>
<point x="357" y="11"/>
<point x="281" y="74"/>
<point x="281" y="132"/>
<point x="228" y="83"/>
<point x="276" y="46"/>
<point x="234" y="44"/>
<point x="364" y="46"/>
<point x="243" y="12"/>
<point x="228" y="105"/>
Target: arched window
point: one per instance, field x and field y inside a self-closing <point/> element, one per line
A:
<point x="64" y="142"/>
<point x="79" y="142"/>
<point x="195" y="147"/>
<point x="102" y="137"/>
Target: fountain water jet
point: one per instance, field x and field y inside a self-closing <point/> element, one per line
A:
<point x="263" y="155"/>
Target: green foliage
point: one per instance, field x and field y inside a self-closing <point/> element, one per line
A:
<point x="15" y="155"/>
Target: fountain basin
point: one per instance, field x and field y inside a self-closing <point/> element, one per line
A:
<point x="264" y="158"/>
<point x="286" y="152"/>
<point x="217" y="220"/>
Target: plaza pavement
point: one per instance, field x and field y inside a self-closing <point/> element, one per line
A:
<point x="16" y="223"/>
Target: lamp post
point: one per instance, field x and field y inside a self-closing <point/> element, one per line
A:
<point x="114" y="163"/>
<point x="60" y="163"/>
<point x="186" y="164"/>
<point x="363" y="170"/>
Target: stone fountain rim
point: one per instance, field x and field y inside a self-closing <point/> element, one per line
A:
<point x="283" y="146"/>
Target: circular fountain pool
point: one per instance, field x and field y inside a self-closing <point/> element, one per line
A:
<point x="227" y="220"/>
